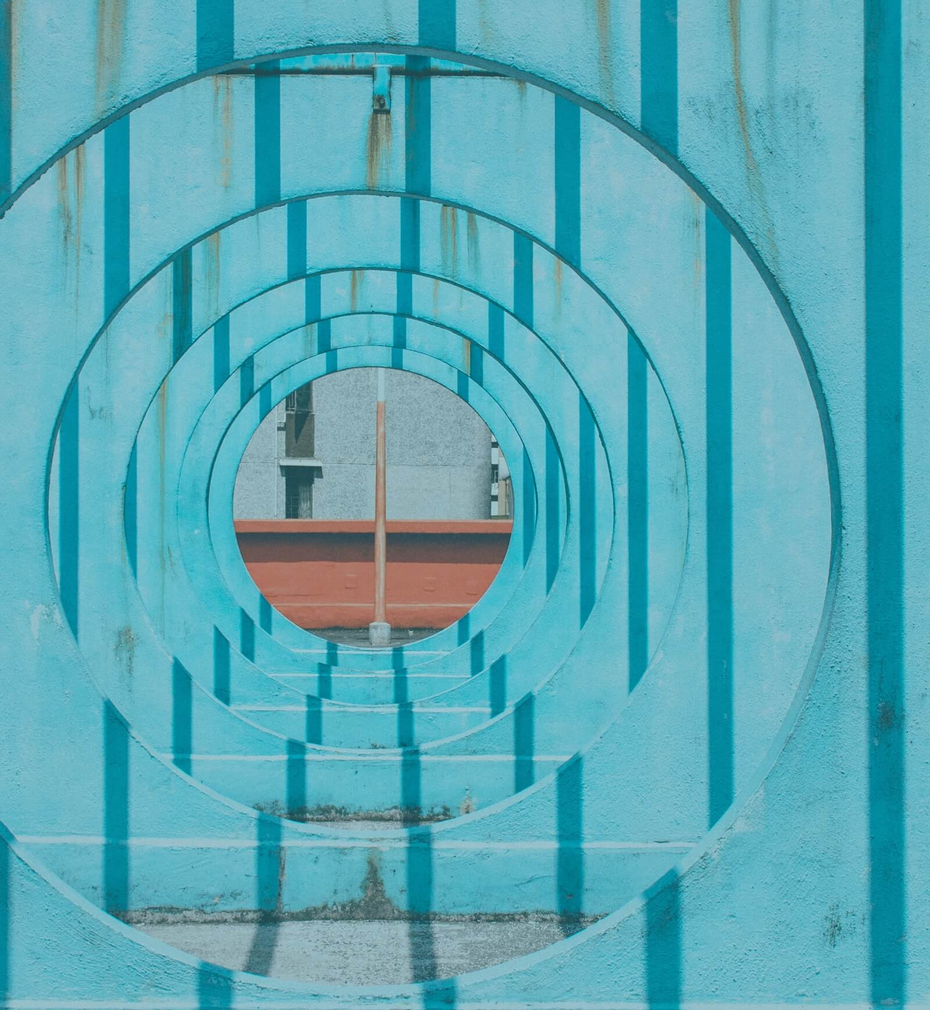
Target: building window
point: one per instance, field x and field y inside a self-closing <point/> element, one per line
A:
<point x="298" y="492"/>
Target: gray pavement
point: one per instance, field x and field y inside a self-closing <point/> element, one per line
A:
<point x="359" y="953"/>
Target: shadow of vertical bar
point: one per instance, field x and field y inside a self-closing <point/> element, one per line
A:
<point x="659" y="72"/>
<point x="567" y="133"/>
<point x="222" y="688"/>
<point x="528" y="488"/>
<point x="498" y="685"/>
<point x="130" y="513"/>
<point x="269" y="881"/>
<point x="246" y="636"/>
<point x="637" y="463"/>
<point x="116" y="140"/>
<point x="115" y="812"/>
<point x="524" y="743"/>
<point x="587" y="511"/>
<point x="6" y="917"/>
<point x="719" y="520"/>
<point x="437" y="23"/>
<point x="182" y="303"/>
<point x="267" y="133"/>
<point x="663" y="946"/>
<point x="69" y="509"/>
<point x="570" y="837"/>
<point x="6" y="99"/>
<point x="553" y="485"/>
<point x="214" y="989"/>
<point x="215" y="32"/>
<point x="182" y="730"/>
<point x="220" y="352"/>
<point x="884" y="498"/>
<point x="296" y="783"/>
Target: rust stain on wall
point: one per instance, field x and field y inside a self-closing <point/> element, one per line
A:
<point x="377" y="148"/>
<point x="604" y="49"/>
<point x="109" y="28"/>
<point x="222" y="117"/>
<point x="448" y="239"/>
<point x="472" y="242"/>
<point x="356" y="278"/>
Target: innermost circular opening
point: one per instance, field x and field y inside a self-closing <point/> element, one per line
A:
<point x="308" y="526"/>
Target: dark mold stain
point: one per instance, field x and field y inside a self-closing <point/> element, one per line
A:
<point x="377" y="148"/>
<point x="109" y="28"/>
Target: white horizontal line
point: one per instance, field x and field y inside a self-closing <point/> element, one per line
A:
<point x="373" y="836"/>
<point x="394" y="755"/>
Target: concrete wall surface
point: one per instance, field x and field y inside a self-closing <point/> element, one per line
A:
<point x="675" y="257"/>
<point x="439" y="453"/>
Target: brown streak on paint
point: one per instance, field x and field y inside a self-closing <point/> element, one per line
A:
<point x="110" y="21"/>
<point x="754" y="179"/>
<point x="472" y="242"/>
<point x="466" y="346"/>
<point x="356" y="277"/>
<point x="604" y="49"/>
<point x="64" y="199"/>
<point x="377" y="148"/>
<point x="222" y="114"/>
<point x="448" y="235"/>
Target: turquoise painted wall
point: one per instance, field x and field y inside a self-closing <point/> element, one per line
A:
<point x="676" y="256"/>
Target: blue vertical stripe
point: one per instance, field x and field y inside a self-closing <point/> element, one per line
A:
<point x="496" y="330"/>
<point x="658" y="28"/>
<point x="115" y="214"/>
<point x="296" y="783"/>
<point x="719" y="403"/>
<point x="215" y="32"/>
<point x="476" y="362"/>
<point x="115" y="811"/>
<point x="418" y="125"/>
<point x="222" y="687"/>
<point x="587" y="510"/>
<point x="6" y="918"/>
<point x="437" y="24"/>
<point x="552" y="509"/>
<point x="637" y="469"/>
<point x="568" y="180"/>
<point x="267" y="134"/>
<point x="182" y="304"/>
<point x="130" y="509"/>
<point x="313" y="297"/>
<point x="409" y="236"/>
<point x="663" y="946"/>
<point x="498" y="685"/>
<point x="885" y="500"/>
<point x="182" y="729"/>
<point x="528" y="491"/>
<point x="264" y="613"/>
<point x="69" y="508"/>
<point x="220" y="352"/>
<point x="524" y="743"/>
<point x="523" y="279"/>
<point x="296" y="239"/>
<point x="570" y="837"/>
<point x="476" y="654"/>
<point x="404" y="306"/>
<point x="246" y="636"/>
<point x="246" y="380"/>
<point x="6" y="100"/>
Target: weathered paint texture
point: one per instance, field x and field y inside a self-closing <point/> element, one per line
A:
<point x="675" y="256"/>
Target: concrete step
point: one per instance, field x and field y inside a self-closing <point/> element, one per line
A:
<point x="368" y="952"/>
<point x="392" y="786"/>
<point x="361" y="726"/>
<point x="358" y="688"/>
<point x="339" y="876"/>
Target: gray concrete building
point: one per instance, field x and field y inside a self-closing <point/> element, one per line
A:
<point x="314" y="455"/>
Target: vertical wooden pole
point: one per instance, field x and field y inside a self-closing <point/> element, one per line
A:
<point x="380" y="628"/>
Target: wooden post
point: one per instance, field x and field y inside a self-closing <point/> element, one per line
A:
<point x="379" y="632"/>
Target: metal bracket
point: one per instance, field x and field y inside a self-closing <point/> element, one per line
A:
<point x="381" y="88"/>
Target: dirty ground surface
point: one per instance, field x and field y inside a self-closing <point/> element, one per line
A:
<point x="360" y="953"/>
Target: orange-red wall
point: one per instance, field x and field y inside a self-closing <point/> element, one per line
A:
<point x="320" y="574"/>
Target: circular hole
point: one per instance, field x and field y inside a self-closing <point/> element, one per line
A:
<point x="306" y="512"/>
